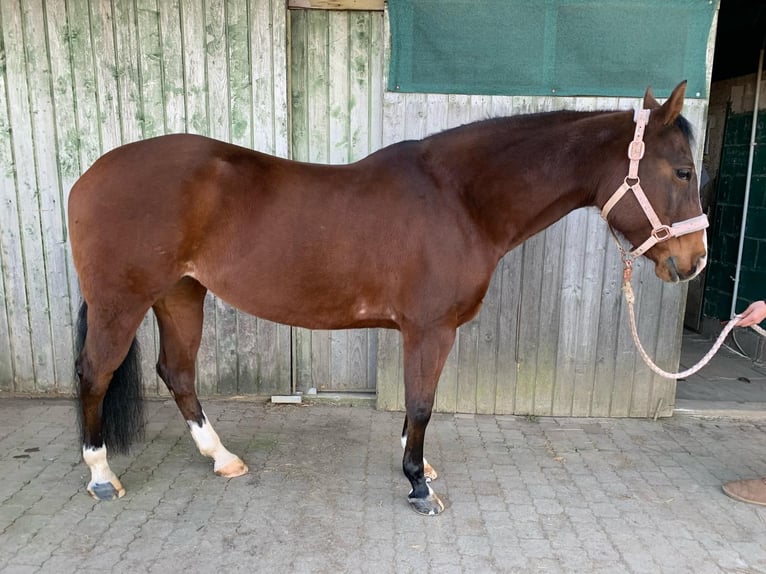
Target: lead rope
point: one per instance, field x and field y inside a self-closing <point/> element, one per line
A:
<point x="627" y="289"/>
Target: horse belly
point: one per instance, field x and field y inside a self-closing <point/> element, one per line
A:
<point x="293" y="296"/>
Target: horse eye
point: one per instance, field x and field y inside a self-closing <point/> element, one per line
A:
<point x="685" y="174"/>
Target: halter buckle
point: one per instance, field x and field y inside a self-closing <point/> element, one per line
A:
<point x="636" y="150"/>
<point x="662" y="233"/>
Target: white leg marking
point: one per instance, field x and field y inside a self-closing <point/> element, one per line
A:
<point x="100" y="473"/>
<point x="209" y="444"/>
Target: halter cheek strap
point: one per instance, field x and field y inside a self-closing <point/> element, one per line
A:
<point x="632" y="183"/>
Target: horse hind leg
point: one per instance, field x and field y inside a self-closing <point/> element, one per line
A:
<point x="109" y="393"/>
<point x="179" y="317"/>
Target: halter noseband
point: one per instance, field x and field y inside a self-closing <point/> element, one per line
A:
<point x="632" y="183"/>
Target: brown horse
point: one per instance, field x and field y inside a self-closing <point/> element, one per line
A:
<point x="405" y="239"/>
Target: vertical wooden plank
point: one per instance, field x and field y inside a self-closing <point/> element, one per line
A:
<point x="389" y="374"/>
<point x="320" y="359"/>
<point x="550" y="301"/>
<point x="279" y="78"/>
<point x="649" y="300"/>
<point x="467" y="366"/>
<point x="239" y="76"/>
<point x="339" y="144"/>
<point x="533" y="253"/>
<point x="299" y="84"/>
<point x="6" y="353"/>
<point x="318" y="88"/>
<point x="625" y="356"/>
<point x="377" y="55"/>
<point x="28" y="197"/>
<point x="360" y="84"/>
<point x="16" y="365"/>
<point x="87" y="138"/>
<point x="262" y="68"/>
<point x="568" y="359"/>
<point x="171" y="56"/>
<point x="272" y="358"/>
<point x="668" y="348"/>
<point x="508" y="331"/>
<point x="488" y="350"/>
<point x="107" y="73"/>
<point x="607" y="341"/>
<point x="586" y="354"/>
<point x="152" y="110"/>
<point x="60" y="34"/>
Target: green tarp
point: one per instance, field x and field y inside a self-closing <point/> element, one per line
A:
<point x="549" y="47"/>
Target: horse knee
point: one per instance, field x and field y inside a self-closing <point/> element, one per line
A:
<point x="419" y="414"/>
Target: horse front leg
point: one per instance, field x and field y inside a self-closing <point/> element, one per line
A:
<point x="425" y="352"/>
<point x="428" y="470"/>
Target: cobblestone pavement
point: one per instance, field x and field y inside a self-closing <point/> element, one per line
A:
<point x="325" y="493"/>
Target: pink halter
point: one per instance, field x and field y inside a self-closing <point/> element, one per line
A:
<point x="660" y="232"/>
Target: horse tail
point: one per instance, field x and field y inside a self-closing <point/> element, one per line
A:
<point x="122" y="412"/>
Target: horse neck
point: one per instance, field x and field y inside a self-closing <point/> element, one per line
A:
<point x="519" y="175"/>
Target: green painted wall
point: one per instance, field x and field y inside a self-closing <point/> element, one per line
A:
<point x="727" y="220"/>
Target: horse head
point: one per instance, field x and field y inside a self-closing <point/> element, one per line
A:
<point x="663" y="219"/>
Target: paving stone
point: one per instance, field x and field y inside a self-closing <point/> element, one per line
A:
<point x="325" y="493"/>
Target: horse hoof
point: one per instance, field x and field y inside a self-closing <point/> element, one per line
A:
<point x="232" y="469"/>
<point x="429" y="506"/>
<point x="429" y="472"/>
<point x="106" y="491"/>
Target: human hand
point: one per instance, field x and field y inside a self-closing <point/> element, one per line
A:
<point x="754" y="314"/>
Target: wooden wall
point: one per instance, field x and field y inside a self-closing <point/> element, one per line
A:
<point x="552" y="337"/>
<point x="84" y="76"/>
<point x="81" y="77"/>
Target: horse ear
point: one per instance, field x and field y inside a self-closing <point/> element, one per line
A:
<point x="649" y="102"/>
<point x="671" y="109"/>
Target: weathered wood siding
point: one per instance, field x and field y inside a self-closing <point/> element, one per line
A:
<point x="552" y="337"/>
<point x="81" y="77"/>
<point x="78" y="78"/>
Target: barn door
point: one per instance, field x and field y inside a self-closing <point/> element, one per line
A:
<point x="336" y="77"/>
